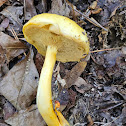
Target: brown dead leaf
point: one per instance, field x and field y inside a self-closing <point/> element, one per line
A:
<point x="76" y="71"/>
<point x="39" y="61"/>
<point x="79" y="112"/>
<point x="15" y="16"/>
<point x="3" y="64"/>
<point x="2" y="55"/>
<point x="19" y="85"/>
<point x="29" y="9"/>
<point x="42" y="6"/>
<point x="3" y="124"/>
<point x="121" y="120"/>
<point x="13" y="47"/>
<point x="13" y="13"/>
<point x="90" y="120"/>
<point x="61" y="81"/>
<point x="81" y="85"/>
<point x="113" y="8"/>
<point x="4" y="24"/>
<point x="28" y="117"/>
<point x="58" y="7"/>
<point x="119" y="89"/>
<point x="8" y="108"/>
<point x="72" y="99"/>
<point x="2" y="2"/>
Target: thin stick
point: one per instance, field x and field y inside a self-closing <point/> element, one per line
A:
<point x="105" y="50"/>
<point x="16" y="47"/>
<point x="13" y="33"/>
<point x="91" y="21"/>
<point x="87" y="18"/>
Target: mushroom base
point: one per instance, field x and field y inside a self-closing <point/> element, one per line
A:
<point x="44" y="95"/>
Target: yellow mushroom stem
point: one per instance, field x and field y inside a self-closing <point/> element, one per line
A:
<point x="44" y="95"/>
<point x="62" y="120"/>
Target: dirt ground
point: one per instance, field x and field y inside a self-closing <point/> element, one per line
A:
<point x="94" y="96"/>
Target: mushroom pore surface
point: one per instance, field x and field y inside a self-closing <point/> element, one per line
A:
<point x="50" y="29"/>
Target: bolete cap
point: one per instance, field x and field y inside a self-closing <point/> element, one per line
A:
<point x="50" y="29"/>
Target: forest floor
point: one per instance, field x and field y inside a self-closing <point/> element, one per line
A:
<point x="94" y="96"/>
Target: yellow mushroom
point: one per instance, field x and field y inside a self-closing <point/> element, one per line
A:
<point x="57" y="38"/>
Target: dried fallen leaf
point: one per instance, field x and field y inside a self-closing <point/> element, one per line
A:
<point x="58" y="7"/>
<point x="19" y="85"/>
<point x="121" y="120"/>
<point x="81" y="85"/>
<point x="8" y="108"/>
<point x="13" y="13"/>
<point x="2" y="55"/>
<point x="79" y="111"/>
<point x="13" y="47"/>
<point x="90" y="120"/>
<point x="76" y="71"/>
<point x="72" y="99"/>
<point x="2" y="62"/>
<point x="30" y="10"/>
<point x="113" y="8"/>
<point x="28" y="117"/>
<point x="61" y="81"/>
<point x="42" y="6"/>
<point x="2" y="2"/>
<point x="15" y="16"/>
<point x="4" y="24"/>
<point x="39" y="61"/>
<point x="3" y="124"/>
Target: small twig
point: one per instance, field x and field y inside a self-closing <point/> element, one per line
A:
<point x="16" y="47"/>
<point x="33" y="109"/>
<point x="13" y="33"/>
<point x="91" y="20"/>
<point x="93" y="59"/>
<point x="109" y="123"/>
<point x="101" y="51"/>
<point x="24" y="9"/>
<point x="105" y="50"/>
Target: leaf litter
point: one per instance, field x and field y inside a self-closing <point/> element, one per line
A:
<point x="12" y="47"/>
<point x="19" y="85"/>
<point x="26" y="118"/>
<point x="92" y="96"/>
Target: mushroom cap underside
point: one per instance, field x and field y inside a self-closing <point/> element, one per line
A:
<point x="50" y="29"/>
